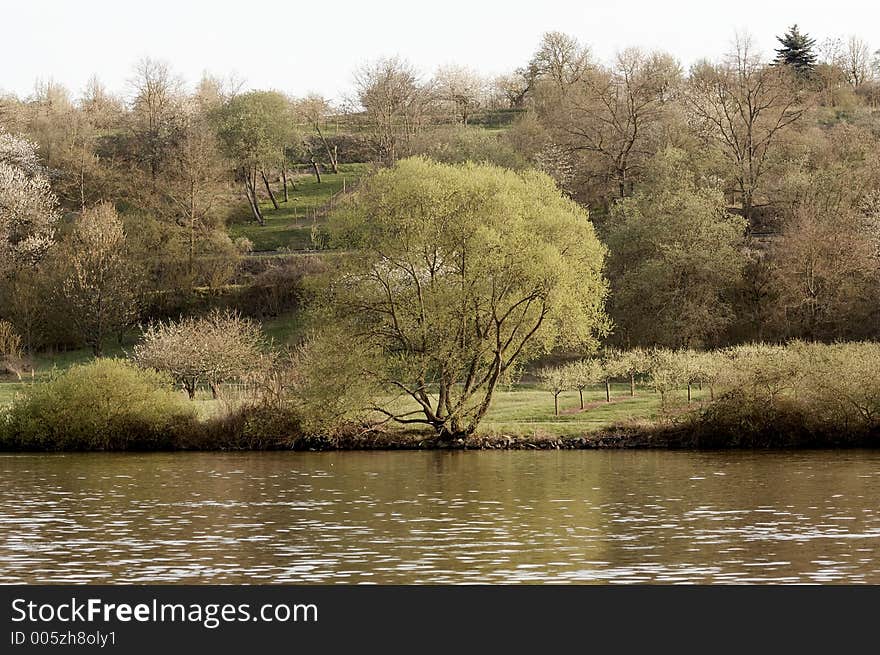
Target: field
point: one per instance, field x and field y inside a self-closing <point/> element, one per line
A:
<point x="290" y="226"/>
<point x="525" y="409"/>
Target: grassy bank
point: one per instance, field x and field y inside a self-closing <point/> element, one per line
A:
<point x="803" y="395"/>
<point x="521" y="417"/>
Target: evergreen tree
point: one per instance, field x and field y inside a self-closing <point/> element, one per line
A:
<point x="797" y="51"/>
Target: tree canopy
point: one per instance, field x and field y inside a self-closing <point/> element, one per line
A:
<point x="28" y="208"/>
<point x="459" y="272"/>
<point x="675" y="253"/>
<point x="797" y="51"/>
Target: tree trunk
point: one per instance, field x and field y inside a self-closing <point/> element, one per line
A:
<point x="632" y="384"/>
<point x="332" y="154"/>
<point x="284" y="181"/>
<point x="269" y="190"/>
<point x="555" y="404"/>
<point x="82" y="182"/>
<point x="689" y="393"/>
<point x="607" y="391"/>
<point x="581" y="392"/>
<point x="192" y="232"/>
<point x="215" y="390"/>
<point x="190" y="387"/>
<point x="250" y="193"/>
<point x="316" y="171"/>
<point x="747" y="208"/>
<point x="252" y="203"/>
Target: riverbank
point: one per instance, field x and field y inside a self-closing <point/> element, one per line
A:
<point x="643" y="437"/>
<point x="110" y="405"/>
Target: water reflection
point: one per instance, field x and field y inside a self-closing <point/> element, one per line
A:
<point x="440" y="517"/>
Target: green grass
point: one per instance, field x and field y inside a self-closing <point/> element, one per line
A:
<point x="526" y="410"/>
<point x="290" y="226"/>
<point x="284" y="330"/>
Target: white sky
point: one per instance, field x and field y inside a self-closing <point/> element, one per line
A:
<point x="298" y="46"/>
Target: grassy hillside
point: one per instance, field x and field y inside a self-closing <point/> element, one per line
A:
<point x="290" y="226"/>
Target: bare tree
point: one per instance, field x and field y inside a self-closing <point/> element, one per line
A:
<point x="825" y="274"/>
<point x="857" y="62"/>
<point x="395" y="104"/>
<point x="12" y="359"/>
<point x="743" y="106"/>
<point x="461" y="89"/>
<point x="315" y="110"/>
<point x="155" y="111"/>
<point x="513" y="87"/>
<point x="611" y="114"/>
<point x="190" y="189"/>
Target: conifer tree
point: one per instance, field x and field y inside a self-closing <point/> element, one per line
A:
<point x="797" y="51"/>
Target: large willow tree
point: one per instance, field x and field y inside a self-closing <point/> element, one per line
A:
<point x="455" y="275"/>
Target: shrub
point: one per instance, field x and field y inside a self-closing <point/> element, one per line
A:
<point x="804" y="394"/>
<point x="249" y="426"/>
<point x="108" y="404"/>
<point x="281" y="287"/>
<point x="741" y="420"/>
<point x="324" y="384"/>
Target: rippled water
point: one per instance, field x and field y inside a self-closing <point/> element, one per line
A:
<point x="441" y="517"/>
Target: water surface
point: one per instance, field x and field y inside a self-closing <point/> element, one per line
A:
<point x="441" y="517"/>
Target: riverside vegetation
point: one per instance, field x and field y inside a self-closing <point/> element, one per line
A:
<point x="754" y="395"/>
<point x="576" y="254"/>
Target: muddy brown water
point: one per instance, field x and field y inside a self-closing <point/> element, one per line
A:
<point x="441" y="517"/>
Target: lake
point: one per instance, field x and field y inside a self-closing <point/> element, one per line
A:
<point x="441" y="517"/>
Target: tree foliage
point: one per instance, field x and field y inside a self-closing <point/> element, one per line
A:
<point x="675" y="253"/>
<point x="219" y="347"/>
<point x="97" y="281"/>
<point x="28" y="208"/>
<point x="797" y="51"/>
<point x="458" y="273"/>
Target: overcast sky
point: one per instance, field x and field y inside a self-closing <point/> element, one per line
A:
<point x="298" y="46"/>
